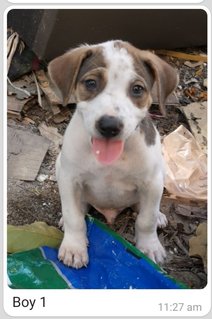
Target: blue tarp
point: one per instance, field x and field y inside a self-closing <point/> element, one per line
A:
<point x="113" y="264"/>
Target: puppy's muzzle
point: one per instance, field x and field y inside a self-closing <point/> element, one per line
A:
<point x="109" y="126"/>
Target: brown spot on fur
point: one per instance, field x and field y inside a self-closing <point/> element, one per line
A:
<point x="143" y="76"/>
<point x="141" y="68"/>
<point x="93" y="61"/>
<point x="152" y="68"/>
<point x="63" y="71"/>
<point x="66" y="69"/>
<point x="147" y="128"/>
<point x="165" y="76"/>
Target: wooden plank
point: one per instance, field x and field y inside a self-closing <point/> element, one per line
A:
<point x="183" y="55"/>
<point x="26" y="152"/>
<point x="51" y="133"/>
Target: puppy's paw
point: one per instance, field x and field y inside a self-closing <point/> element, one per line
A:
<point x="153" y="249"/>
<point x="73" y="253"/>
<point x="162" y="220"/>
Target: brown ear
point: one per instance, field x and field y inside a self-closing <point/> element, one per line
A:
<point x="64" y="69"/>
<point x="166" y="77"/>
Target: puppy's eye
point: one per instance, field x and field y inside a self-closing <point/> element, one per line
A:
<point x="137" y="90"/>
<point x="90" y="84"/>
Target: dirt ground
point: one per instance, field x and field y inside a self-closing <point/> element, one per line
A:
<point x="39" y="201"/>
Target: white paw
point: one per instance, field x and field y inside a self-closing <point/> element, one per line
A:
<point x="153" y="249"/>
<point x="73" y="253"/>
<point x="162" y="220"/>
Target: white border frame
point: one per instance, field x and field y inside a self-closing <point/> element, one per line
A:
<point x="108" y="1"/>
<point x="98" y="303"/>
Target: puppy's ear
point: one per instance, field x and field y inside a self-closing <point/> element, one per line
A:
<point x="64" y="69"/>
<point x="166" y="77"/>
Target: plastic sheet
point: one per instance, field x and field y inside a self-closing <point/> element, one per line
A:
<point x="186" y="165"/>
<point x="114" y="264"/>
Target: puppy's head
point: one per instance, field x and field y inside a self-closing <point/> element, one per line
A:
<point x="111" y="84"/>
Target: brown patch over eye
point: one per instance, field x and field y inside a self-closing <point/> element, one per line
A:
<point x="91" y="84"/>
<point x="139" y="94"/>
<point x="91" y="78"/>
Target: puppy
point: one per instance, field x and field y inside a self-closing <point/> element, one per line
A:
<point x="111" y="155"/>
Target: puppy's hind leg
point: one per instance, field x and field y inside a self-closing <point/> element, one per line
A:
<point x="146" y="223"/>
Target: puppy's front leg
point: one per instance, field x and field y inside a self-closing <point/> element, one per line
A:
<point x="146" y="224"/>
<point x="73" y="249"/>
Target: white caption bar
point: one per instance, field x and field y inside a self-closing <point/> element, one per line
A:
<point x="77" y="302"/>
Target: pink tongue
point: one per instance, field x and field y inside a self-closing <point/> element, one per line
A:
<point x="107" y="151"/>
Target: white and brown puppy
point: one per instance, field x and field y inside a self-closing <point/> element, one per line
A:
<point x="111" y="155"/>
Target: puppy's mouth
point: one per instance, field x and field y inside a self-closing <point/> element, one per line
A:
<point x="107" y="150"/>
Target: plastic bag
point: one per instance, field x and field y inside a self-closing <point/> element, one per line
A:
<point x="186" y="165"/>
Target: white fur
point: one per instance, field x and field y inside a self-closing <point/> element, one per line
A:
<point x="136" y="178"/>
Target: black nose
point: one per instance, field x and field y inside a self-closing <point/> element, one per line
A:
<point x="109" y="126"/>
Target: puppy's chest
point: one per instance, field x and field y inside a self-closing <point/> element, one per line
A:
<point x="110" y="190"/>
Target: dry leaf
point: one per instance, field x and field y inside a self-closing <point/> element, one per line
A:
<point x="193" y="64"/>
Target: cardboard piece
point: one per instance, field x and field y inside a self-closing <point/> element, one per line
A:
<point x="26" y="152"/>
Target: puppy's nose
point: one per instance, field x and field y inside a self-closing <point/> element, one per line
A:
<point x="109" y="126"/>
